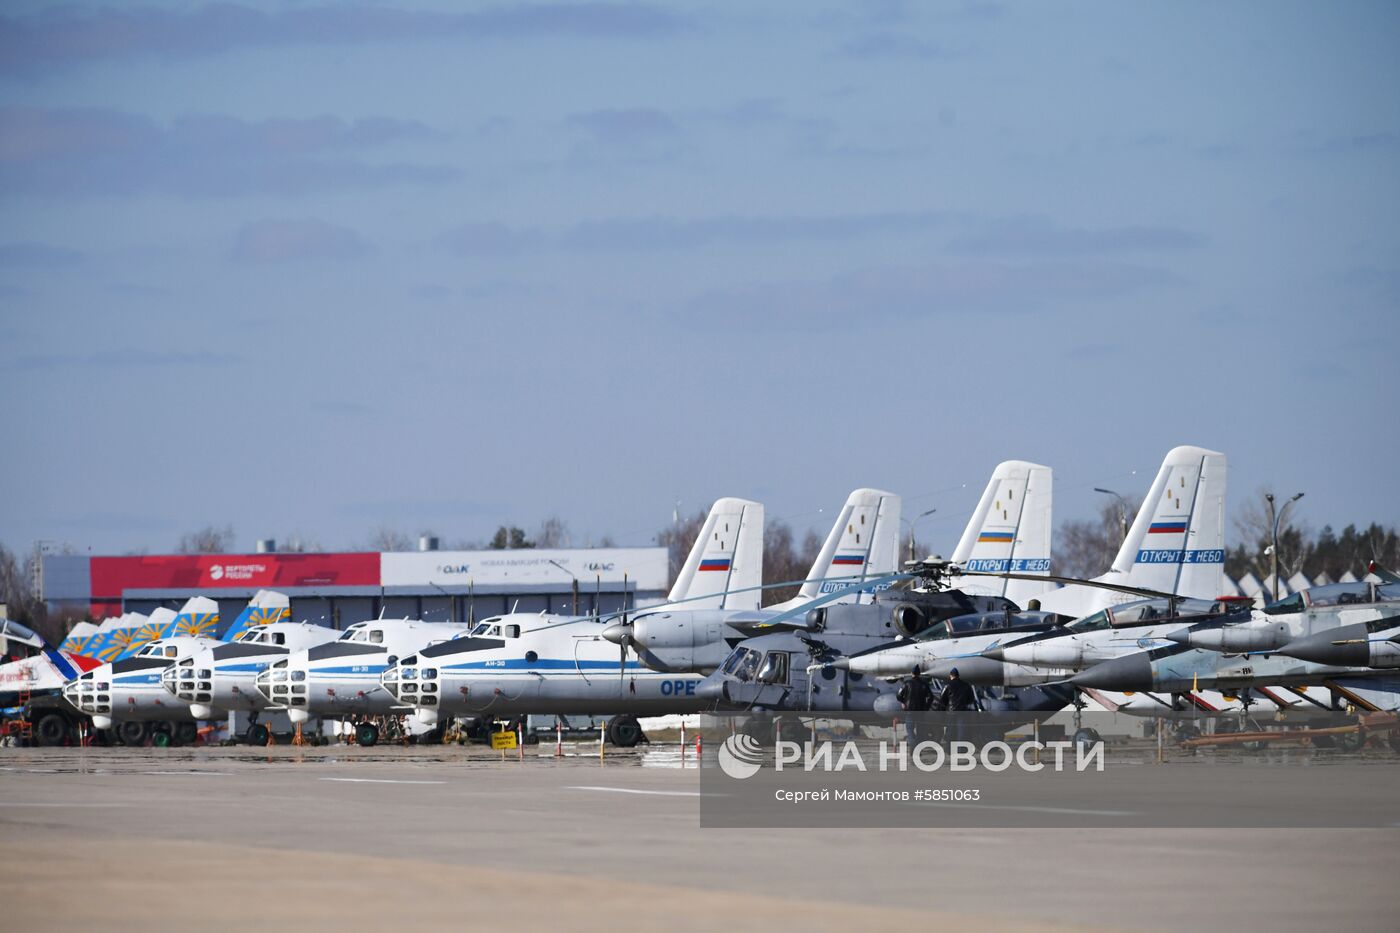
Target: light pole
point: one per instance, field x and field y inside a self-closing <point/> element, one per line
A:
<point x="1122" y="509"/>
<point x="911" y="523"/>
<point x="1276" y="519"/>
<point x="571" y="575"/>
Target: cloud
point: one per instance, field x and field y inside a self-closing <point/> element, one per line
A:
<point x="128" y="358"/>
<point x="1034" y="235"/>
<point x="661" y="232"/>
<point x="62" y="151"/>
<point x="61" y="38"/>
<point x="907" y="294"/>
<point x="273" y="241"/>
<point x="28" y="255"/>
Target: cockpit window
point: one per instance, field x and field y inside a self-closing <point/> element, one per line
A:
<point x="775" y="668"/>
<point x="743" y="663"/>
<point x="1285" y="606"/>
<point x="936" y="632"/>
<point x="171" y="651"/>
<point x="279" y="638"/>
<point x="1388" y="593"/>
<point x="376" y="636"/>
<point x="1094" y="623"/>
<point x="1339" y="594"/>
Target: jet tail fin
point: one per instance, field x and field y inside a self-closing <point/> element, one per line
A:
<point x="863" y="543"/>
<point x="1010" y="532"/>
<point x="727" y="555"/>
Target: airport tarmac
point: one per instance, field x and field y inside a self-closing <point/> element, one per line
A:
<point x="346" y="837"/>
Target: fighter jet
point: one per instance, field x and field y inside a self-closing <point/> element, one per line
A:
<point x="1175" y="668"/>
<point x="1308" y="614"/>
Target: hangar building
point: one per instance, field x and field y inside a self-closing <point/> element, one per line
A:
<point x="340" y="589"/>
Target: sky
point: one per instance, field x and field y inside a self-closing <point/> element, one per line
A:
<point x="311" y="270"/>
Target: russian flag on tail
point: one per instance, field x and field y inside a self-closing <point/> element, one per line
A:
<point x="848" y="560"/>
<point x="1167" y="528"/>
<point x="715" y="563"/>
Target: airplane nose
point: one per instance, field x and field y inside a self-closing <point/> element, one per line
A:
<point x="712" y="690"/>
<point x="996" y="653"/>
<point x="1181" y="636"/>
<point x="1123" y="674"/>
<point x="1334" y="647"/>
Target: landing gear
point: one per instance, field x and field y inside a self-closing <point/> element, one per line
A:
<point x="132" y="733"/>
<point x="161" y="736"/>
<point x="256" y="734"/>
<point x="186" y="733"/>
<point x="50" y="730"/>
<point x="366" y="734"/>
<point x="624" y="731"/>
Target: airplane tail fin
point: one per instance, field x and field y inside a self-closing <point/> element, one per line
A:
<point x="727" y="555"/>
<point x="1177" y="541"/>
<point x="198" y="616"/>
<point x="863" y="543"/>
<point x="125" y="641"/>
<point x="1010" y="532"/>
<point x="264" y="608"/>
<point x="79" y="634"/>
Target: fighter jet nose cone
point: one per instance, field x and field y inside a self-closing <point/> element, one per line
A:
<point x="840" y="664"/>
<point x="1120" y="674"/>
<point x="1180" y="636"/>
<point x="994" y="654"/>
<point x="617" y="633"/>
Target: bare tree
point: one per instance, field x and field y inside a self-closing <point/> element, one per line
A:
<point x="678" y="538"/>
<point x="1086" y="548"/>
<point x="385" y="538"/>
<point x="211" y="539"/>
<point x="554" y="532"/>
<point x="1255" y="533"/>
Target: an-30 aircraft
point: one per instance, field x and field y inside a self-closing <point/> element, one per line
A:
<point x="565" y="665"/>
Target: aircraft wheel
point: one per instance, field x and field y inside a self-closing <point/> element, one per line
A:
<point x="1351" y="741"/>
<point x="367" y="734"/>
<point x="186" y="733"/>
<point x="624" y="731"/>
<point x="256" y="734"/>
<point x="132" y="733"/>
<point x="50" y="730"/>
<point x="1086" y="736"/>
<point x="160" y="735"/>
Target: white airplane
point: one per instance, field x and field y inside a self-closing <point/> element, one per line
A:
<point x="566" y="665"/>
<point x="1176" y="543"/>
<point x="340" y="679"/>
<point x="128" y="692"/>
<point x="222" y="677"/>
<point x="687" y="637"/>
